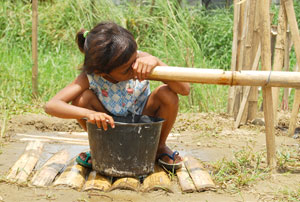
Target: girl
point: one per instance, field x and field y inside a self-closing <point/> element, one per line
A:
<point x="112" y="82"/>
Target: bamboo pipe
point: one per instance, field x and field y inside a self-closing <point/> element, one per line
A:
<point x="222" y="77"/>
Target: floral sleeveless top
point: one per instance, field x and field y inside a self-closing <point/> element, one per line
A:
<point x="120" y="98"/>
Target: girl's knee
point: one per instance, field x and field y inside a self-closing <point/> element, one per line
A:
<point x="84" y="99"/>
<point x="167" y="96"/>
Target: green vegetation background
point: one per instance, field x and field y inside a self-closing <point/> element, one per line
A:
<point x="187" y="36"/>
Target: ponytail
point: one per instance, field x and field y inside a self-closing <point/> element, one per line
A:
<point x="80" y="40"/>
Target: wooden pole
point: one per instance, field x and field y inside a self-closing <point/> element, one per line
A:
<point x="285" y="99"/>
<point x="253" y="95"/>
<point x="34" y="48"/>
<point x="267" y="91"/>
<point x="233" y="54"/>
<point x="291" y="16"/>
<point x="279" y="53"/>
<point x="222" y="77"/>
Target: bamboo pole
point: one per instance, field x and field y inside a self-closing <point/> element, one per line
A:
<point x="222" y="77"/>
<point x="253" y="95"/>
<point x="267" y="91"/>
<point x="291" y="16"/>
<point x="34" y="48"/>
<point x="279" y="53"/>
<point x="285" y="99"/>
<point x="234" y="54"/>
<point x="247" y="92"/>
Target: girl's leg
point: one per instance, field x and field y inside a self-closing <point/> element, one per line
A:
<point x="163" y="103"/>
<point x="90" y="101"/>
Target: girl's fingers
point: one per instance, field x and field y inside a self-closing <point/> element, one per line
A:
<point x="139" y="71"/>
<point x="104" y="123"/>
<point x="135" y="66"/>
<point x="144" y="72"/>
<point x="111" y="121"/>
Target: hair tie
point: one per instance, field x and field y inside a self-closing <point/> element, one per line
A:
<point x="85" y="34"/>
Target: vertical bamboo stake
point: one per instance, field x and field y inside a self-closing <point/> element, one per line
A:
<point x="279" y="53"/>
<point x="267" y="91"/>
<point x="234" y="53"/>
<point x="289" y="6"/>
<point x="240" y="54"/>
<point x="253" y="96"/>
<point x="285" y="99"/>
<point x="34" y="48"/>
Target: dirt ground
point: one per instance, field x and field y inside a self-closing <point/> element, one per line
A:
<point x="210" y="137"/>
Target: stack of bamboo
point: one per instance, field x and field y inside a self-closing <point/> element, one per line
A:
<point x="252" y="43"/>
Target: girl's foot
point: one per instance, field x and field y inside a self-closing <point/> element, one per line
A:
<point x="84" y="159"/>
<point x="168" y="159"/>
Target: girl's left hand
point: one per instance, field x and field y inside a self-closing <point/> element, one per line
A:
<point x="143" y="66"/>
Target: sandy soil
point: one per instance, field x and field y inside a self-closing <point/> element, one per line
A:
<point x="207" y="136"/>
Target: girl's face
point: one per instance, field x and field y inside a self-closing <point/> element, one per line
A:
<point x="123" y="72"/>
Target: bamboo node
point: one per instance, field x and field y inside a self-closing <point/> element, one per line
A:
<point x="269" y="78"/>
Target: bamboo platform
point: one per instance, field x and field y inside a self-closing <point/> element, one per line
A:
<point x="60" y="170"/>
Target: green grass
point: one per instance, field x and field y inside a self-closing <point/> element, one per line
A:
<point x="180" y="36"/>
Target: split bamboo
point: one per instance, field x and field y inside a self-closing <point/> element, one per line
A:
<point x="267" y="91"/>
<point x="126" y="183"/>
<point x="291" y="16"/>
<point x="279" y="53"/>
<point x="185" y="181"/>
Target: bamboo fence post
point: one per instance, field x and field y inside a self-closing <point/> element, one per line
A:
<point x="253" y="95"/>
<point x="267" y="91"/>
<point x="248" y="59"/>
<point x="291" y="16"/>
<point x="285" y="99"/>
<point x="240" y="54"/>
<point x="34" y="48"/>
<point x="279" y="53"/>
<point x="234" y="53"/>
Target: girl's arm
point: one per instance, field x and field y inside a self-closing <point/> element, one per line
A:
<point x="59" y="105"/>
<point x="144" y="65"/>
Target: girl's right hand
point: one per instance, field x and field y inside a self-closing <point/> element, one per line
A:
<point x="101" y="119"/>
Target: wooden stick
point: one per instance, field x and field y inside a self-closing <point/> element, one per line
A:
<point x="98" y="182"/>
<point x="46" y="175"/>
<point x="267" y="91"/>
<point x="289" y="5"/>
<point x="185" y="180"/>
<point x="34" y="48"/>
<point x="221" y="77"/>
<point x="234" y="54"/>
<point x="247" y="91"/>
<point x="201" y="178"/>
<point x="25" y="164"/>
<point x="285" y="99"/>
<point x="253" y="95"/>
<point x="279" y="54"/>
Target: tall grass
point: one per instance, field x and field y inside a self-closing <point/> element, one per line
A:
<point x="180" y="36"/>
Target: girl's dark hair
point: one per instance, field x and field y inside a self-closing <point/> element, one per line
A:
<point x="106" y="47"/>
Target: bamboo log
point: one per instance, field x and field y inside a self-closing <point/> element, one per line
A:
<point x="221" y="77"/>
<point x="46" y="175"/>
<point x="22" y="168"/>
<point x="158" y="180"/>
<point x="201" y="178"/>
<point x="267" y="91"/>
<point x="73" y="176"/>
<point x="126" y="183"/>
<point x="35" y="48"/>
<point x="98" y="182"/>
<point x="279" y="54"/>
<point x="289" y="5"/>
<point x="185" y="181"/>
